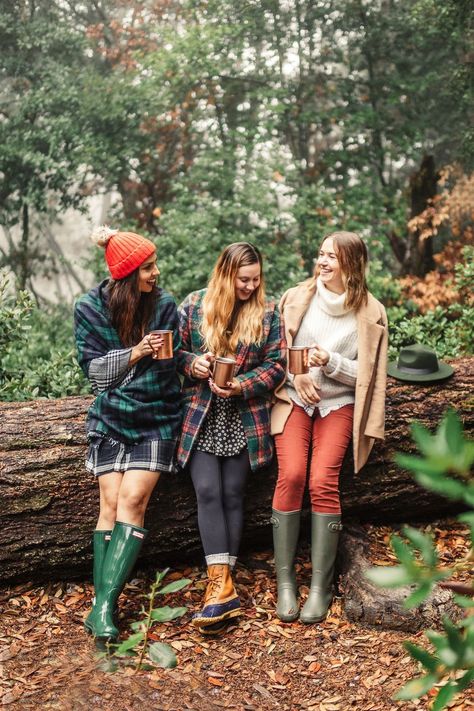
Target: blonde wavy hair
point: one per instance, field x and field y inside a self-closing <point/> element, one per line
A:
<point x="227" y="321"/>
<point x="353" y="258"/>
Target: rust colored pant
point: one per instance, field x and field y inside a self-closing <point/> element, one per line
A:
<point x="325" y="439"/>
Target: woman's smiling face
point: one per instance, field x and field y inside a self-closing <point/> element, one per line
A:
<point x="247" y="280"/>
<point x="330" y="271"/>
<point x="148" y="274"/>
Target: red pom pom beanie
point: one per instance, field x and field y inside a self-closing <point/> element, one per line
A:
<point x="124" y="251"/>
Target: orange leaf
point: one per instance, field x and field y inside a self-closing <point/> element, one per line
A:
<point x="215" y="682"/>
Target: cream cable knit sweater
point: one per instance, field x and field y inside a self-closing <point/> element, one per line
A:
<point x="333" y="327"/>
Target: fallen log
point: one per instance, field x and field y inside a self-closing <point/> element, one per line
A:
<point x="49" y="504"/>
<point x="370" y="605"/>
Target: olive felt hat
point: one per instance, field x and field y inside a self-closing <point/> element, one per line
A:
<point x="418" y="364"/>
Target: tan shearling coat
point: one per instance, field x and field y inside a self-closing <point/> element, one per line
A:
<point x="369" y="407"/>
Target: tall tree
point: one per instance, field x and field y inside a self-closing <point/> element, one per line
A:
<point x="40" y="141"/>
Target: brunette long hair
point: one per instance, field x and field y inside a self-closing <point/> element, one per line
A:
<point x="353" y="258"/>
<point x="226" y="320"/>
<point x="130" y="310"/>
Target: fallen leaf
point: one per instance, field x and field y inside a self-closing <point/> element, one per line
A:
<point x="214" y="681"/>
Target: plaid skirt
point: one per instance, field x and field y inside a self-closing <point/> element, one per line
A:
<point x="106" y="455"/>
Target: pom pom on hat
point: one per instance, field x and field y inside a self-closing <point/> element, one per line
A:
<point x="124" y="251"/>
<point x="102" y="234"/>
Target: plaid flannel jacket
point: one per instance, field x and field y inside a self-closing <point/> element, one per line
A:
<point x="145" y="404"/>
<point x="260" y="369"/>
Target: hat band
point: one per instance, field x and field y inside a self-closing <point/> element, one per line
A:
<point x="416" y="371"/>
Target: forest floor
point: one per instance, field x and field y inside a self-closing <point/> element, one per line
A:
<point x="48" y="662"/>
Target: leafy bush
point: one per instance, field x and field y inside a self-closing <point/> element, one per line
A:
<point x="37" y="350"/>
<point x="448" y="330"/>
<point x="445" y="468"/>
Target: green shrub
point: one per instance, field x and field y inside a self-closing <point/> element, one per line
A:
<point x="444" y="467"/>
<point x="37" y="350"/>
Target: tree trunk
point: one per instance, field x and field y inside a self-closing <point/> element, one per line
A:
<point x="418" y="258"/>
<point x="368" y="604"/>
<point x="50" y="504"/>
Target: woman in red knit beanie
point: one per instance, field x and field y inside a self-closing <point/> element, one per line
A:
<point x="133" y="423"/>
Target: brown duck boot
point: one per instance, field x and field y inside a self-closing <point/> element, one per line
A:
<point x="221" y="601"/>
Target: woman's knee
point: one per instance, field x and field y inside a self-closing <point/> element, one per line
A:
<point x="324" y="493"/>
<point x="293" y="479"/>
<point x="133" y="501"/>
<point x="234" y="498"/>
<point x="108" y="503"/>
<point x="289" y="493"/>
<point x="206" y="492"/>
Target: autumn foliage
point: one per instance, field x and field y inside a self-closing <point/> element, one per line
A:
<point x="450" y="213"/>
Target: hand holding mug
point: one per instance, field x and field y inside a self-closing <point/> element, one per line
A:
<point x="156" y="341"/>
<point x="232" y="389"/>
<point x="318" y="357"/>
<point x="201" y="366"/>
<point x="146" y="347"/>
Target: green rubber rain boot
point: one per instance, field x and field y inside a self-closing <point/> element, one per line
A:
<point x="122" y="553"/>
<point x="286" y="528"/>
<point x="100" y="544"/>
<point x="325" y="530"/>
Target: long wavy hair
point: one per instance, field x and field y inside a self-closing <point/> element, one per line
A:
<point x="130" y="309"/>
<point x="227" y="320"/>
<point x="353" y="258"/>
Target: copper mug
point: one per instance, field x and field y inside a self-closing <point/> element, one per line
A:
<point x="166" y="350"/>
<point x="298" y="359"/>
<point x="222" y="371"/>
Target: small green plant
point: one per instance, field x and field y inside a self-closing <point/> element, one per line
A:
<point x="445" y="467"/>
<point x="136" y="648"/>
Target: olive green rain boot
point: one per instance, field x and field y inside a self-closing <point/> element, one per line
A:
<point x="100" y="544"/>
<point x="286" y="528"/>
<point x="325" y="530"/>
<point x="122" y="553"/>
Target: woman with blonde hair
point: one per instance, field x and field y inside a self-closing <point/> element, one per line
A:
<point x="226" y="430"/>
<point x="133" y="423"/>
<point x="317" y="413"/>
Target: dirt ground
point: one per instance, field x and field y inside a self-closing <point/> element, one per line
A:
<point x="48" y="662"/>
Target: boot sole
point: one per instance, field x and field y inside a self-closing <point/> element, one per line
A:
<point x="201" y="622"/>
<point x="106" y="639"/>
<point x="312" y="620"/>
<point x="288" y="618"/>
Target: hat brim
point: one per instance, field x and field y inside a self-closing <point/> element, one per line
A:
<point x="444" y="371"/>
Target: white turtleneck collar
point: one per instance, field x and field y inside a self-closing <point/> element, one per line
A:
<point x="330" y="302"/>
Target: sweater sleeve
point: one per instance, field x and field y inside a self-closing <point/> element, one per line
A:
<point x="186" y="357"/>
<point x="342" y="369"/>
<point x="272" y="371"/>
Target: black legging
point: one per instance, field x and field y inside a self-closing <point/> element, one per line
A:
<point x="219" y="483"/>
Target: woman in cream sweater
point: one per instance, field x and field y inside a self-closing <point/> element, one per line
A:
<point x="316" y="414"/>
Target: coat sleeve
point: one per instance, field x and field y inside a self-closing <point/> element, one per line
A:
<point x="186" y="357"/>
<point x="375" y="426"/>
<point x="267" y="376"/>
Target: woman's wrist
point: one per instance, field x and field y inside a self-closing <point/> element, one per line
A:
<point x="135" y="355"/>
